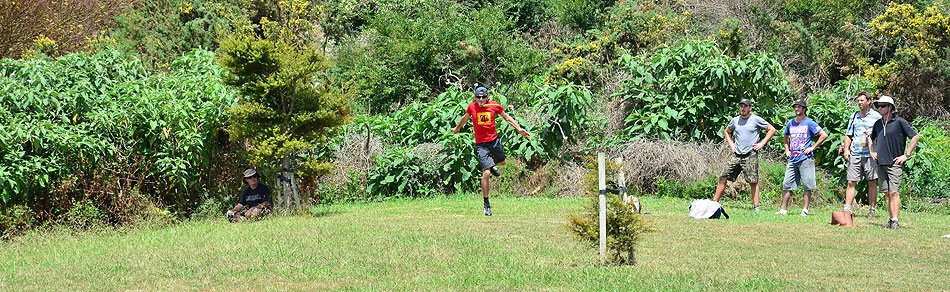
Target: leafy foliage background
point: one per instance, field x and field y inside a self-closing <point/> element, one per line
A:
<point x="115" y="110"/>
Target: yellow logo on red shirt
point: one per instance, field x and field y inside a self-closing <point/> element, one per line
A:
<point x="483" y="118"/>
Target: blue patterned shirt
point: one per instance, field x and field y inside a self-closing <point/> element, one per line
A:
<point x="856" y="127"/>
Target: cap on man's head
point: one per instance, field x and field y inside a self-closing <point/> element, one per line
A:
<point x="249" y="173"/>
<point x="746" y="101"/>
<point x="885" y="100"/>
<point x="481" y="91"/>
<point x="801" y="103"/>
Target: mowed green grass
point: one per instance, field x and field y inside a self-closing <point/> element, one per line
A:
<point x="447" y="244"/>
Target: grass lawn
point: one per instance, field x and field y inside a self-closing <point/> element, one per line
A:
<point x="447" y="244"/>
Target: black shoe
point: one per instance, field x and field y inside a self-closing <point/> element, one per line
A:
<point x="494" y="171"/>
<point x="487" y="211"/>
<point x="893" y="224"/>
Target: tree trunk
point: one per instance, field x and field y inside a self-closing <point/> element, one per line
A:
<point x="633" y="257"/>
<point x="293" y="186"/>
<point x="285" y="165"/>
<point x="290" y="183"/>
<point x="279" y="197"/>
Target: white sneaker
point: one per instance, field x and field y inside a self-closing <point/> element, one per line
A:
<point x="804" y="212"/>
<point x="781" y="212"/>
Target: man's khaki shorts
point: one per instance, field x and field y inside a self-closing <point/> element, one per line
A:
<point x="862" y="168"/>
<point x="748" y="164"/>
<point x="889" y="178"/>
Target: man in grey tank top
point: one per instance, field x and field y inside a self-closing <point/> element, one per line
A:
<point x="745" y="146"/>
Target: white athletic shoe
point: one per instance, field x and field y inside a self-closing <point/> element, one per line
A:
<point x="781" y="212"/>
<point x="804" y="212"/>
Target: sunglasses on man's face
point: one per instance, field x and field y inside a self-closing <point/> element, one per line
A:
<point x="883" y="105"/>
<point x="481" y="96"/>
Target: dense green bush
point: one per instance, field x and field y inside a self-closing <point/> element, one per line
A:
<point x="93" y="127"/>
<point x="629" y="27"/>
<point x="414" y="50"/>
<point x="563" y="119"/>
<point x="340" y="19"/>
<point x="400" y="171"/>
<point x="690" y="90"/>
<point x="914" y="60"/>
<point x="162" y="30"/>
<point x="928" y="170"/>
<point x="580" y="14"/>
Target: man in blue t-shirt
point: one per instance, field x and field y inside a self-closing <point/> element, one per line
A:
<point x="861" y="166"/>
<point x="799" y="132"/>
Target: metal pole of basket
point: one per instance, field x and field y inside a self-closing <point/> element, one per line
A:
<point x="601" y="173"/>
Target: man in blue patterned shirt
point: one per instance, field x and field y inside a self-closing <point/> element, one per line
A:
<point x="857" y="151"/>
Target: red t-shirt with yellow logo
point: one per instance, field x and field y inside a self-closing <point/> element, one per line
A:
<point x="484" y="119"/>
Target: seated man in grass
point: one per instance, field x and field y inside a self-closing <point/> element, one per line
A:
<point x="255" y="197"/>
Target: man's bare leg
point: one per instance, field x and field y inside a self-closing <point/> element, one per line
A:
<point x="872" y="197"/>
<point x="485" y="188"/>
<point x="720" y="187"/>
<point x="754" y="189"/>
<point x="849" y="195"/>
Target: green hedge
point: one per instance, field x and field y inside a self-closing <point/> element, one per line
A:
<point x="99" y="126"/>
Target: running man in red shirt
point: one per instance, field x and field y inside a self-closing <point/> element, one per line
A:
<point x="487" y="146"/>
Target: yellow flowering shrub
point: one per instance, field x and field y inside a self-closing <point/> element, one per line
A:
<point x="919" y="35"/>
<point x="914" y="56"/>
<point x="42" y="45"/>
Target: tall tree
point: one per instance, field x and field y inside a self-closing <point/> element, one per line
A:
<point x="287" y="106"/>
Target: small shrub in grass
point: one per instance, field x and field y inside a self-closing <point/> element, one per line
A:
<point x="84" y="214"/>
<point x="624" y="228"/>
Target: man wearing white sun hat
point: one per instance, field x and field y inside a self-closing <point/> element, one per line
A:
<point x="889" y="147"/>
